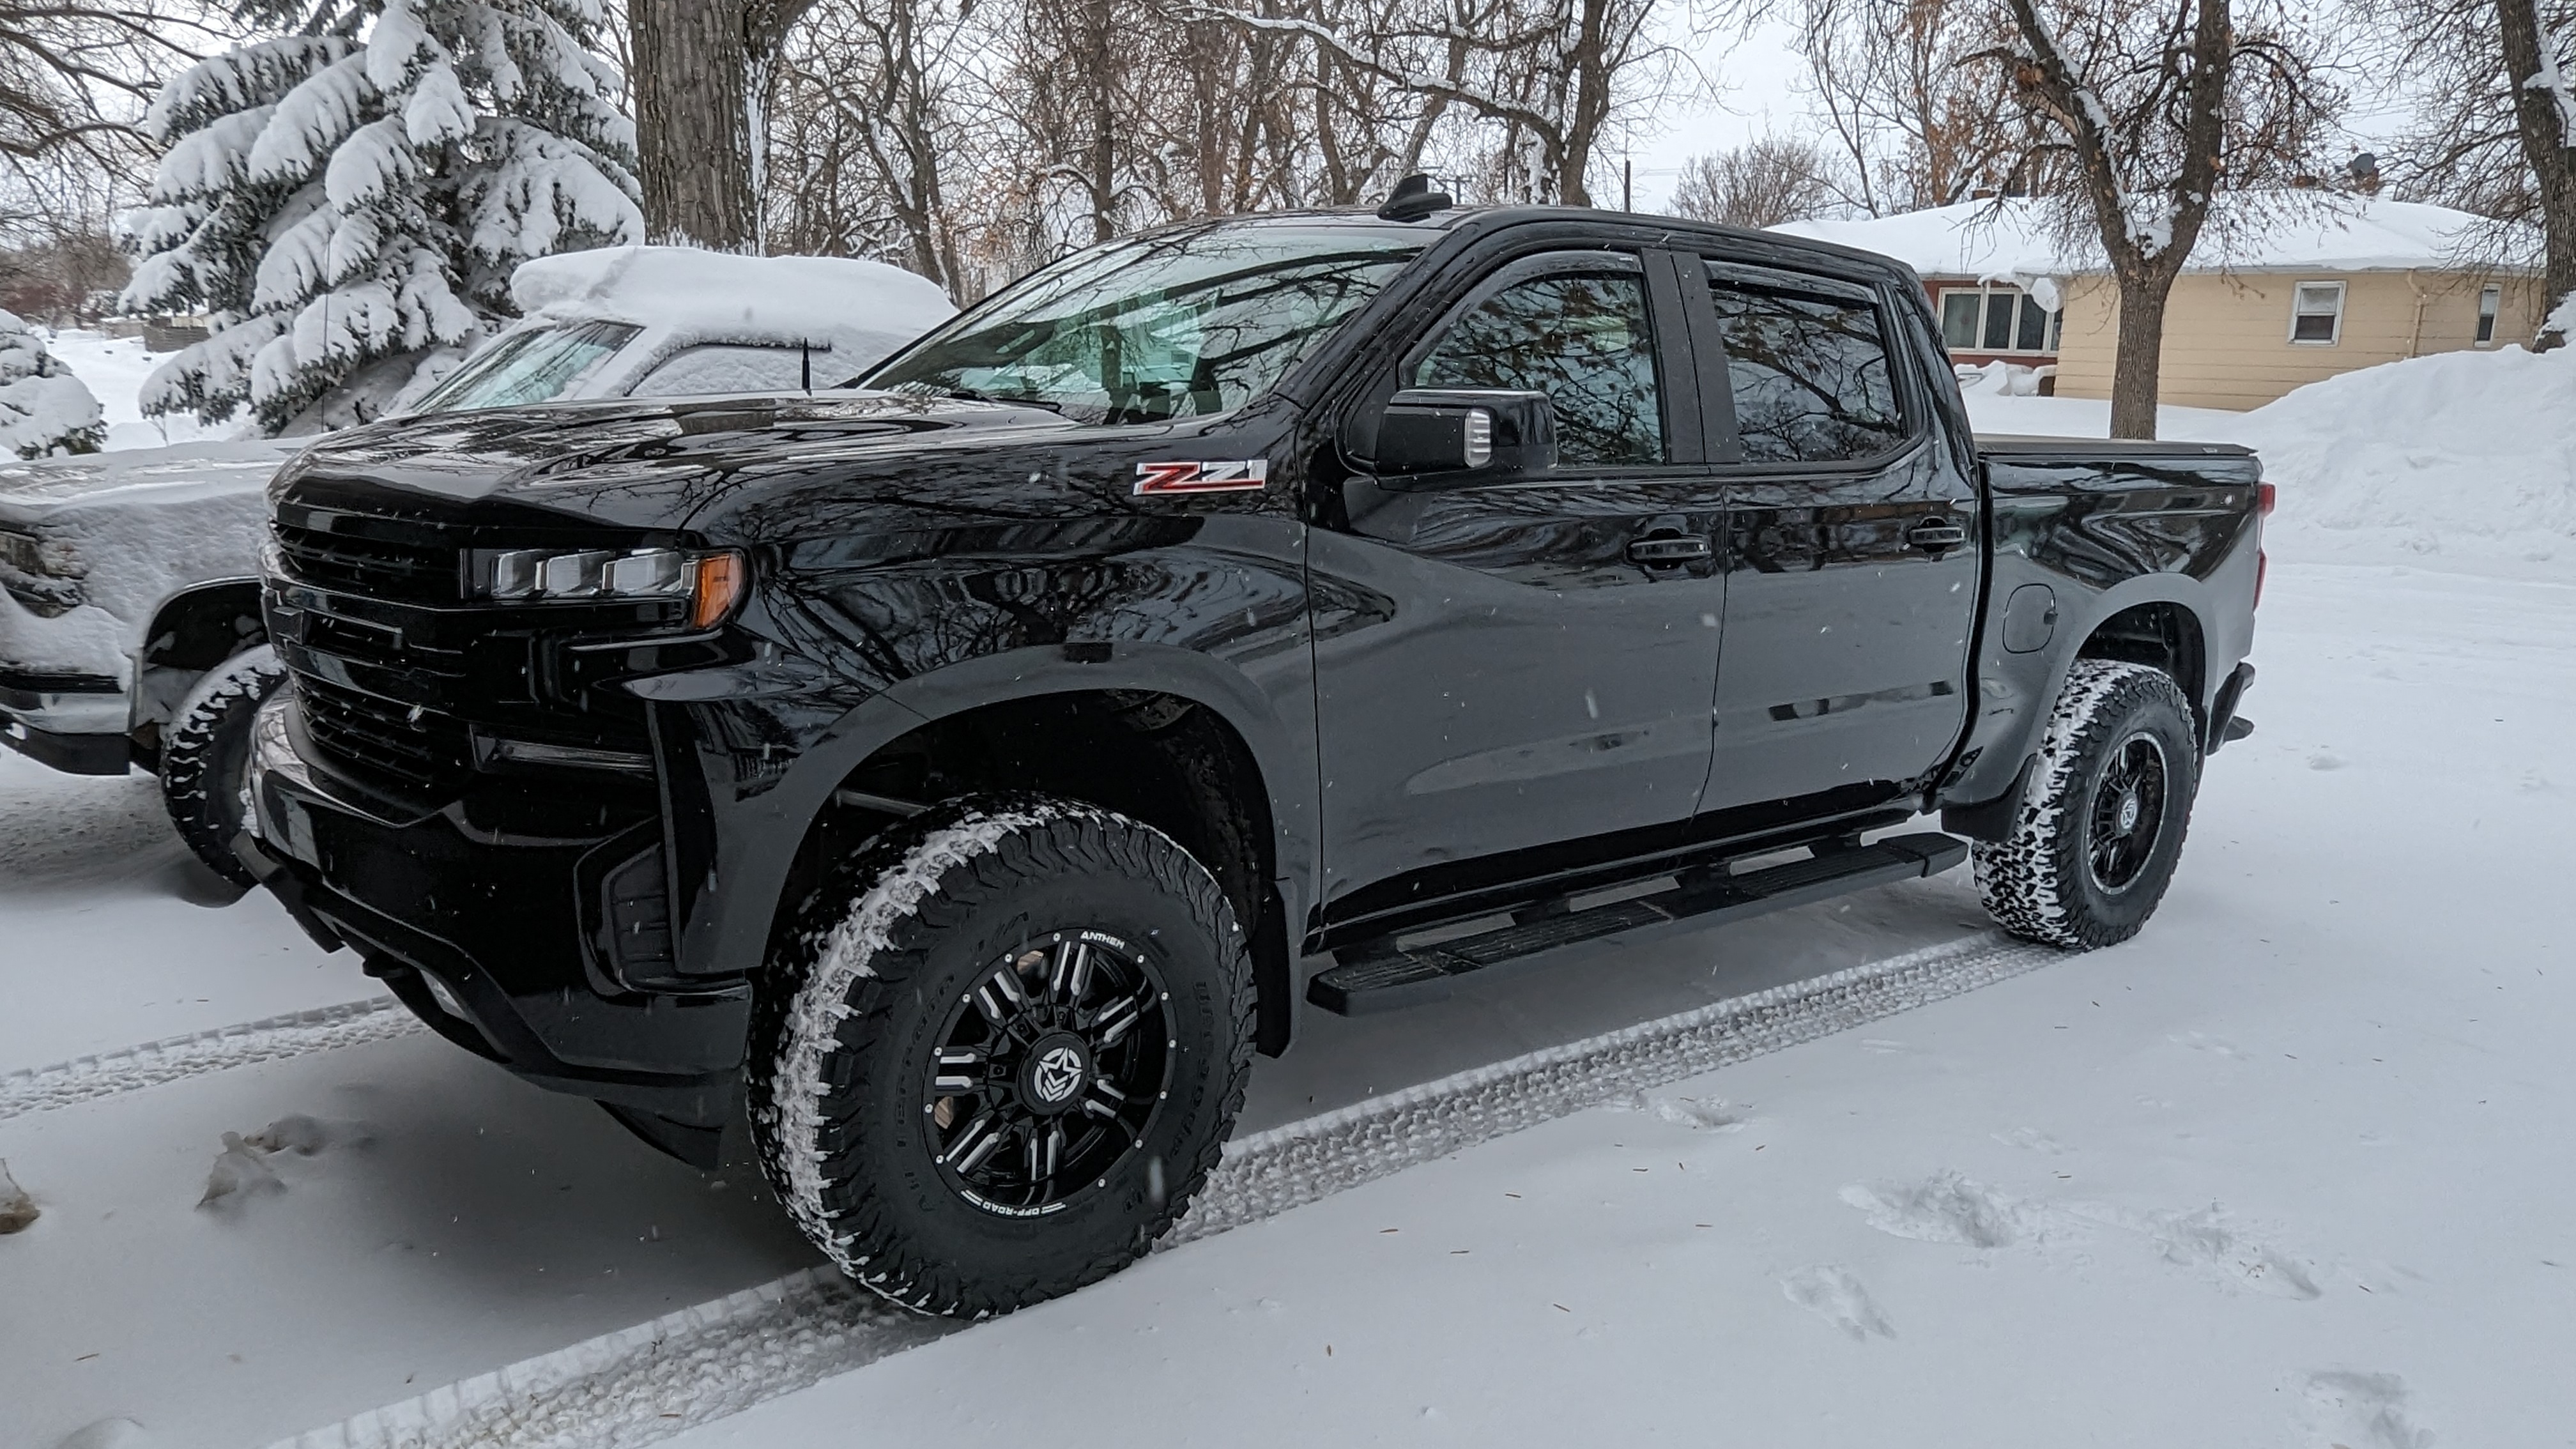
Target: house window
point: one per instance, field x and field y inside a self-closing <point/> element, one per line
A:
<point x="2490" y="302"/>
<point x="2316" y="313"/>
<point x="1996" y="319"/>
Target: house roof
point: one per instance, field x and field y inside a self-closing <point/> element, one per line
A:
<point x="2283" y="231"/>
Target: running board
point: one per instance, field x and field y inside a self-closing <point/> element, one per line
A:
<point x="1379" y="975"/>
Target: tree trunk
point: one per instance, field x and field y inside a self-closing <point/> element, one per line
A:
<point x="2138" y="362"/>
<point x="2544" y="131"/>
<point x="699" y="69"/>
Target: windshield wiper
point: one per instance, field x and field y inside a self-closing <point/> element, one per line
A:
<point x="971" y="395"/>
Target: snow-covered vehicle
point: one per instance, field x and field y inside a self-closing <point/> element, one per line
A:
<point x="130" y="629"/>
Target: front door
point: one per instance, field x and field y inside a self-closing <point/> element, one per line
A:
<point x="1505" y="667"/>
<point x="1851" y="553"/>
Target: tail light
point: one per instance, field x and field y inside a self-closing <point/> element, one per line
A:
<point x="2265" y="495"/>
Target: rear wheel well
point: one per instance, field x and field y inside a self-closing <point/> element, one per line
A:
<point x="2163" y="636"/>
<point x="1167" y="761"/>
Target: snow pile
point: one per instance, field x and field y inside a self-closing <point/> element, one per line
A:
<point x="854" y="311"/>
<point x="2464" y="454"/>
<point x="114" y="370"/>
<point x="44" y="410"/>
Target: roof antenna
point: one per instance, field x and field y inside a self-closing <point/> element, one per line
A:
<point x="1413" y="199"/>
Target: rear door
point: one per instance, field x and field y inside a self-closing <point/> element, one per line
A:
<point x="1850" y="549"/>
<point x="1518" y="665"/>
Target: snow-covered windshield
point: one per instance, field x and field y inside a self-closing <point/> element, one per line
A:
<point x="535" y="365"/>
<point x="1175" y="325"/>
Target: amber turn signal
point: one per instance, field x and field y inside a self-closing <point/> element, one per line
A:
<point x="722" y="579"/>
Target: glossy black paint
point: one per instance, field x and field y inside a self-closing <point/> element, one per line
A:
<point x="1450" y="698"/>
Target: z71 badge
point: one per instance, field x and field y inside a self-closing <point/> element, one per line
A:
<point x="1236" y="476"/>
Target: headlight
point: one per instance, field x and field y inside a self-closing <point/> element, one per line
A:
<point x="49" y="558"/>
<point x="711" y="582"/>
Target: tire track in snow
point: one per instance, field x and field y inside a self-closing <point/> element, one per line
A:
<point x="702" y="1364"/>
<point x="127" y="1069"/>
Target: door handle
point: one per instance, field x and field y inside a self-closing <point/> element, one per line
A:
<point x="1666" y="550"/>
<point x="1932" y="535"/>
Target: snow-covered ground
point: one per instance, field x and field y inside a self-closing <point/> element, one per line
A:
<point x="114" y="368"/>
<point x="2290" y="1169"/>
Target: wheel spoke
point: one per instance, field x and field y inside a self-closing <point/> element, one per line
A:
<point x="951" y="1081"/>
<point x="982" y="1138"/>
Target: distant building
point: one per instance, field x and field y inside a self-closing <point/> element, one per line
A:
<point x="2325" y="284"/>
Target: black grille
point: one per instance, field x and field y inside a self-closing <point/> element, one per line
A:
<point x="378" y="740"/>
<point x="411" y="571"/>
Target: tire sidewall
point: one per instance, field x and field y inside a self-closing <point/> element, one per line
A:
<point x="890" y="1146"/>
<point x="206" y="756"/>
<point x="2148" y="704"/>
<point x="883" y="1210"/>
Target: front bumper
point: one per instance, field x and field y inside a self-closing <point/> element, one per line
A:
<point x="74" y="723"/>
<point x="498" y="939"/>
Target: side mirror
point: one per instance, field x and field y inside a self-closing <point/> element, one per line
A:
<point x="1463" y="436"/>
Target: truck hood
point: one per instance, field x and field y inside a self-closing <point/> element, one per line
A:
<point x="141" y="477"/>
<point x="666" y="463"/>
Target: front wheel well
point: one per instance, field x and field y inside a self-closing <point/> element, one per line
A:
<point x="191" y="633"/>
<point x="1159" y="758"/>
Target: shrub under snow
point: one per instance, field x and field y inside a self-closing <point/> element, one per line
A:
<point x="346" y="200"/>
<point x="44" y="410"/>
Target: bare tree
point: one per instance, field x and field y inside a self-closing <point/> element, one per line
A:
<point x="2495" y="132"/>
<point x="1552" y="75"/>
<point x="1919" y="121"/>
<point x="2157" y="106"/>
<point x="1764" y="182"/>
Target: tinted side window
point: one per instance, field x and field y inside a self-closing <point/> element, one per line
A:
<point x="1581" y="337"/>
<point x="1811" y="376"/>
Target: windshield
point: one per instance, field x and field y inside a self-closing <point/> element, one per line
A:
<point x="538" y="364"/>
<point x="1157" y="327"/>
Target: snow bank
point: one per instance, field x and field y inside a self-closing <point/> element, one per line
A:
<point x="2464" y="455"/>
<point x="854" y="309"/>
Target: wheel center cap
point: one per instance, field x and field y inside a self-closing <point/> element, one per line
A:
<point x="2128" y="813"/>
<point x="1057" y="1069"/>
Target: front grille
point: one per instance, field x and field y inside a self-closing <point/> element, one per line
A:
<point x="411" y="571"/>
<point x="406" y="747"/>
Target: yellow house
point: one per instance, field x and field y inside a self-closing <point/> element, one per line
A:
<point x="2312" y="285"/>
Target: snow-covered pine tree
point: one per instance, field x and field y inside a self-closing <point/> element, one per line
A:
<point x="44" y="410"/>
<point x="349" y="200"/>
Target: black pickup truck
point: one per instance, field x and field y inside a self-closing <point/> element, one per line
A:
<point x="941" y="789"/>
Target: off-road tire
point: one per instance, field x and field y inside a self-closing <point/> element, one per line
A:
<point x="865" y="979"/>
<point x="205" y="757"/>
<point x="2041" y="882"/>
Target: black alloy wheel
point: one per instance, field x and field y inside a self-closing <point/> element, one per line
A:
<point x="1048" y="1073"/>
<point x="2128" y="813"/>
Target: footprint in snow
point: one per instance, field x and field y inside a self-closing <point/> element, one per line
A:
<point x="1703" y="1114"/>
<point x="1839" y="1299"/>
<point x="2346" y="1410"/>
<point x="109" y="1434"/>
<point x="1944" y="1208"/>
<point x="2031" y="1139"/>
<point x="2325" y="762"/>
<point x="2200" y="1042"/>
<point x="245" y="1169"/>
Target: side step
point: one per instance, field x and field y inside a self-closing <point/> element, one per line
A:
<point x="1379" y="975"/>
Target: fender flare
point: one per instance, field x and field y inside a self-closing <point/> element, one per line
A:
<point x="788" y="809"/>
